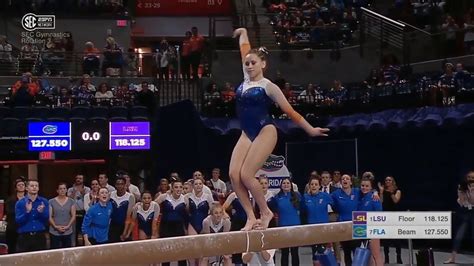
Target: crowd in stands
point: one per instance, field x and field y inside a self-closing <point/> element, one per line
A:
<point x="452" y="19"/>
<point x="315" y="24"/>
<point x="454" y="84"/>
<point x="56" y="57"/>
<point x="29" y="91"/>
<point x="104" y="213"/>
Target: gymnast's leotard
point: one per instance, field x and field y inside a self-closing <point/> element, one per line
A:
<point x="253" y="106"/>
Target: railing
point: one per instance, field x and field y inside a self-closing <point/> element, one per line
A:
<point x="296" y="37"/>
<point x="387" y="32"/>
<point x="409" y="43"/>
<point x="58" y="63"/>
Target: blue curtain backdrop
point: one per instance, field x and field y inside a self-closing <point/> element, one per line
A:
<point x="426" y="154"/>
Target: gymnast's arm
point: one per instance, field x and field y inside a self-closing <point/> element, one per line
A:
<point x="274" y="92"/>
<point x="244" y="42"/>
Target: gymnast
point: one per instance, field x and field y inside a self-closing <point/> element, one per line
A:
<point x="259" y="136"/>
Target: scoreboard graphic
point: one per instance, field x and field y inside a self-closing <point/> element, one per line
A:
<point x="49" y="136"/>
<point x="401" y="225"/>
<point x="65" y="136"/>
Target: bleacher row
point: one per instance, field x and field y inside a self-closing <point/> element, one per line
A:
<point x="76" y="113"/>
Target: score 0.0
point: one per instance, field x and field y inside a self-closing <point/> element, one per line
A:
<point x="86" y="136"/>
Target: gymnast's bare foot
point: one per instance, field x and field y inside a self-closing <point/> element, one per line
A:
<point x="264" y="220"/>
<point x="249" y="225"/>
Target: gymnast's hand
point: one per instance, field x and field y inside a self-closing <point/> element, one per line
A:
<point x="239" y="32"/>
<point x="318" y="131"/>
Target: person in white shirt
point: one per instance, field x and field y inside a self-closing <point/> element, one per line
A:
<point x="219" y="185"/>
<point x="134" y="190"/>
<point x="205" y="189"/>
<point x="103" y="182"/>
<point x="264" y="257"/>
<point x="216" y="223"/>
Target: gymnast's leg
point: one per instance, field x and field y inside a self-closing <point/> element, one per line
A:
<point x="259" y="151"/>
<point x="238" y="156"/>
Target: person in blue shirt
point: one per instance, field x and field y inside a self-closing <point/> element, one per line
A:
<point x="315" y="206"/>
<point x="31" y="216"/>
<point x="367" y="203"/>
<point x="287" y="204"/>
<point x="95" y="226"/>
<point x="174" y="217"/>
<point x="346" y="200"/>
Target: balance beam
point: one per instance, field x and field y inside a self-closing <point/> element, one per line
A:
<point x="187" y="247"/>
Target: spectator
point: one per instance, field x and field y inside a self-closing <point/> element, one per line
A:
<point x="373" y="79"/>
<point x="174" y="216"/>
<point x="315" y="205"/>
<point x="186" y="56"/>
<point x="132" y="63"/>
<point x="368" y="204"/>
<point x="113" y="60"/>
<point x="92" y="197"/>
<point x="337" y="95"/>
<point x="288" y="205"/>
<point x="62" y="215"/>
<point x="469" y="34"/>
<point x="11" y="234"/>
<point x="77" y="192"/>
<point x="390" y="199"/>
<point x="238" y="218"/>
<point x="462" y="77"/>
<point x="104" y="95"/>
<point x="23" y="93"/>
<point x="64" y="97"/>
<point x="310" y="95"/>
<point x="198" y="204"/>
<point x="27" y="84"/>
<point x="264" y="182"/>
<point x="390" y="70"/>
<point x="122" y="203"/>
<point x="162" y="59"/>
<point x="86" y="82"/>
<point x="97" y="220"/>
<point x="450" y="27"/>
<point x="123" y="95"/>
<point x="163" y="188"/>
<point x="83" y="95"/>
<point x="31" y="216"/>
<point x="228" y="94"/>
<point x="216" y="223"/>
<point x="447" y="84"/>
<point x="146" y="97"/>
<point x="6" y="58"/>
<point x="104" y="182"/>
<point x="91" y="59"/>
<point x="288" y="91"/>
<point x="131" y="188"/>
<point x="264" y="257"/>
<point x="53" y="56"/>
<point x="346" y="200"/>
<point x="146" y="213"/>
<point x="466" y="202"/>
<point x="197" y="45"/>
<point x="187" y="187"/>
<point x="28" y="56"/>
<point x="218" y="184"/>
